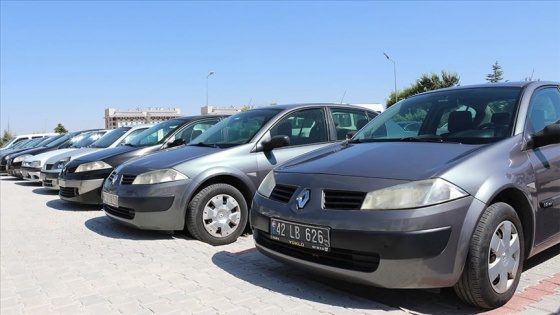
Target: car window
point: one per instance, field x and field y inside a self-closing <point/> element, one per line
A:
<point x="348" y="120"/>
<point x="465" y="116"/>
<point x="303" y="127"/>
<point x="544" y="109"/>
<point x="195" y="130"/>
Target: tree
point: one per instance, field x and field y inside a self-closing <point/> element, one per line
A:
<point x="496" y="75"/>
<point x="426" y="83"/>
<point x="7" y="137"/>
<point x="60" y="129"/>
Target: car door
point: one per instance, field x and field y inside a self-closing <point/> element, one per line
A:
<point x="544" y="109"/>
<point x="307" y="130"/>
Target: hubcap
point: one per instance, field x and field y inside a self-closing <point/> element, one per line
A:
<point x="503" y="257"/>
<point x="221" y="215"/>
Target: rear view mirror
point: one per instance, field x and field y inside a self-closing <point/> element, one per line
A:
<point x="276" y="142"/>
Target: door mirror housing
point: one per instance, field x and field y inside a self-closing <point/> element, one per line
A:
<point x="276" y="142"/>
<point x="549" y="135"/>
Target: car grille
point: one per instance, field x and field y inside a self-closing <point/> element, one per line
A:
<point x="68" y="192"/>
<point x="127" y="179"/>
<point x="339" y="258"/>
<point x="48" y="183"/>
<point x="48" y="166"/>
<point x="282" y="193"/>
<point x="120" y="212"/>
<point x="343" y="200"/>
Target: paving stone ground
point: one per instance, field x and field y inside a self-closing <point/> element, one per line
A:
<point x="62" y="258"/>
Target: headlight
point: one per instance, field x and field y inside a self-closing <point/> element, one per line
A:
<point x="35" y="164"/>
<point x="58" y="165"/>
<point x="21" y="158"/>
<point x="413" y="195"/>
<point x="267" y="185"/>
<point x="159" y="176"/>
<point x="92" y="166"/>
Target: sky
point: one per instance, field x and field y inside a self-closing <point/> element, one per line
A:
<point x="67" y="61"/>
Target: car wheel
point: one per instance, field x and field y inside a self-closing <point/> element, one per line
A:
<point x="495" y="259"/>
<point x="217" y="215"/>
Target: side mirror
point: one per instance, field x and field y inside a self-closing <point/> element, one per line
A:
<point x="176" y="143"/>
<point x="549" y="135"/>
<point x="276" y="142"/>
<point x="350" y="134"/>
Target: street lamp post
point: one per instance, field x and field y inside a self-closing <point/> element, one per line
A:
<point x="209" y="74"/>
<point x="395" y="74"/>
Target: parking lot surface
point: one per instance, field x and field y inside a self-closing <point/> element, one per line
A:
<point x="62" y="258"/>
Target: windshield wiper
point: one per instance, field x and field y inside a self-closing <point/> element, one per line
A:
<point x="202" y="144"/>
<point x="421" y="139"/>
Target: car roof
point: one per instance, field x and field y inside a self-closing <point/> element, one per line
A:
<point x="513" y="84"/>
<point x="303" y="105"/>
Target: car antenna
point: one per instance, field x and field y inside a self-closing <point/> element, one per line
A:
<point x="343" y="95"/>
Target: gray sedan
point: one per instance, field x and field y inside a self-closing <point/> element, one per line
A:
<point x="207" y="186"/>
<point x="461" y="199"/>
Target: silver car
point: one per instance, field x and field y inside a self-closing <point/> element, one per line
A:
<point x="207" y="186"/>
<point x="449" y="188"/>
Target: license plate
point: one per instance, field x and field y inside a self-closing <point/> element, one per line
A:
<point x="302" y="235"/>
<point x="110" y="199"/>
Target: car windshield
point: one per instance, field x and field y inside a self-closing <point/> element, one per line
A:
<point x="62" y="139"/>
<point x="31" y="143"/>
<point x="470" y="116"/>
<point x="237" y="129"/>
<point x="156" y="134"/>
<point x="110" y="138"/>
<point x="88" y="139"/>
<point x="45" y="142"/>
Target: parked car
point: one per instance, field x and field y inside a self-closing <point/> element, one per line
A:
<point x="81" y="179"/>
<point x="21" y="146"/>
<point x="19" y="138"/>
<point x="31" y="166"/>
<point x="13" y="165"/>
<point x="206" y="187"/>
<point x="460" y="207"/>
<point x="51" y="168"/>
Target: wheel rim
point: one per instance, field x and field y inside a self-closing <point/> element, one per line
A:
<point x="221" y="215"/>
<point x="503" y="257"/>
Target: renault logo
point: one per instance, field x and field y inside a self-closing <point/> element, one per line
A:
<point x="302" y="199"/>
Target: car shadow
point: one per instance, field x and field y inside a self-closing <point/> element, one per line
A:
<point x="45" y="191"/>
<point x="24" y="182"/>
<point x="62" y="205"/>
<point x="10" y="178"/>
<point x="104" y="226"/>
<point x="541" y="257"/>
<point x="253" y="267"/>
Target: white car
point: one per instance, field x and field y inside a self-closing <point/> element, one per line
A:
<point x="31" y="165"/>
<point x="52" y="166"/>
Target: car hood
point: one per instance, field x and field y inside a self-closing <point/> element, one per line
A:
<point x="170" y="158"/>
<point x="71" y="154"/>
<point x="43" y="157"/>
<point x="108" y="153"/>
<point x="389" y="160"/>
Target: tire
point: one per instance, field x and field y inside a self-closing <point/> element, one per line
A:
<point x="217" y="215"/>
<point x="493" y="267"/>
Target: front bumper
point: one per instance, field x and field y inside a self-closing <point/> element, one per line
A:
<point x="50" y="179"/>
<point x="31" y="174"/>
<point x="152" y="207"/>
<point x="416" y="248"/>
<point x="81" y="191"/>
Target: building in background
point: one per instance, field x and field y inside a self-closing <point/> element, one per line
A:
<point x="115" y="118"/>
<point x="215" y="110"/>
